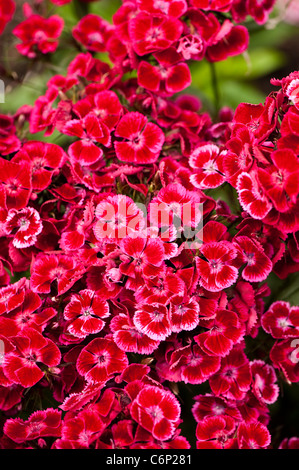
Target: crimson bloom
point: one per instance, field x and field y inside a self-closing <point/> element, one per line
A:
<point x="25" y="225"/>
<point x="216" y="267"/>
<point x="156" y="410"/>
<point x="253" y="436"/>
<point x="49" y="268"/>
<point x="90" y="129"/>
<point x="85" y="312"/>
<point x="7" y="10"/>
<point x="20" y="365"/>
<point x="281" y="320"/>
<point x="93" y="32"/>
<point x="100" y="360"/>
<point x="233" y="379"/>
<point x="142" y="142"/>
<point x="38" y="32"/>
<point x="150" y="33"/>
<point x="41" y="423"/>
<point x="207" y="162"/>
<point x="43" y="159"/>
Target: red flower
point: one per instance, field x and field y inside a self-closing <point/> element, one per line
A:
<point x="193" y="364"/>
<point x="233" y="379"/>
<point x="7" y="10"/>
<point x="49" y="268"/>
<point x="157" y="411"/>
<point x="225" y="330"/>
<point x="38" y="32"/>
<point x="100" y="360"/>
<point x="153" y="320"/>
<point x="12" y="296"/>
<point x="85" y="312"/>
<point x="105" y="105"/>
<point x="43" y="158"/>
<point x="284" y="355"/>
<point x="281" y="320"/>
<point x="142" y="142"/>
<point x="258" y="265"/>
<point x="263" y="382"/>
<point x="251" y="196"/>
<point x="129" y="338"/>
<point x="259" y="10"/>
<point x="215" y="432"/>
<point x="207" y="162"/>
<point x="216" y="267"/>
<point x="90" y="129"/>
<point x="150" y="33"/>
<point x="281" y="179"/>
<point x="20" y="365"/>
<point x="25" y="225"/>
<point x="9" y="142"/>
<point x="176" y="207"/>
<point x="93" y="32"/>
<point x="82" y="430"/>
<point x="184" y="313"/>
<point x="230" y="40"/>
<point x="141" y="258"/>
<point x="175" y="8"/>
<point x="40" y="424"/>
<point x="15" y="178"/>
<point x="253" y="436"/>
<point x="117" y="217"/>
<point x="169" y="77"/>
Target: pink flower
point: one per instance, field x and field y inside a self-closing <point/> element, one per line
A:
<point x="25" y="225"/>
<point x="153" y="320"/>
<point x="39" y="424"/>
<point x="43" y="159"/>
<point x="49" y="268"/>
<point x="225" y="330"/>
<point x="85" y="312"/>
<point x="216" y="267"/>
<point x="90" y="129"/>
<point x="7" y="10"/>
<point x="150" y="33"/>
<point x="263" y="382"/>
<point x="253" y="436"/>
<point x="20" y="365"/>
<point x="117" y="217"/>
<point x="157" y="411"/>
<point x="39" y="32"/>
<point x="206" y="160"/>
<point x="100" y="360"/>
<point x="281" y="320"/>
<point x="142" y="141"/>
<point x="93" y="32"/>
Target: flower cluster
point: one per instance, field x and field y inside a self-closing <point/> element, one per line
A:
<point x="104" y="304"/>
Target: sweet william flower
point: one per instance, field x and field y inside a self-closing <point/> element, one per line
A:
<point x="85" y="312"/>
<point x="39" y="424"/>
<point x="20" y="365"/>
<point x="100" y="360"/>
<point x="25" y="225"/>
<point x="38" y="32"/>
<point x="142" y="140"/>
<point x="156" y="410"/>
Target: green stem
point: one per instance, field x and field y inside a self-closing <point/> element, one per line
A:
<point x="215" y="87"/>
